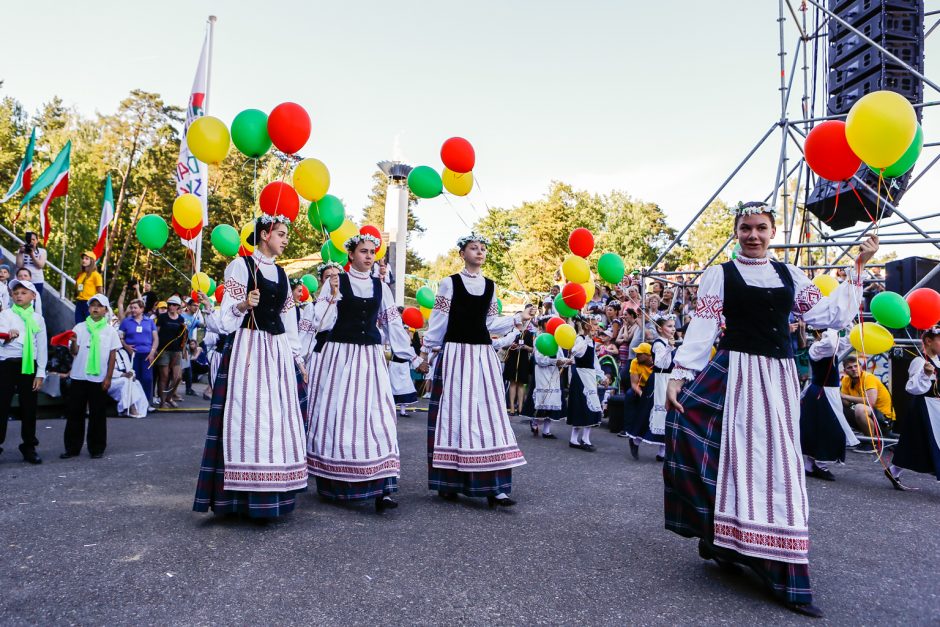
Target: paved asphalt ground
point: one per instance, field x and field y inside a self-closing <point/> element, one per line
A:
<point x="114" y="541"/>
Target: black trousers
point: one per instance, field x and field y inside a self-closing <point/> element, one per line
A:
<point x="12" y="381"/>
<point x="90" y="394"/>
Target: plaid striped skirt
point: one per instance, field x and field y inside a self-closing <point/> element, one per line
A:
<point x="210" y="492"/>
<point x="336" y="490"/>
<point x="488" y="483"/>
<point x="690" y="474"/>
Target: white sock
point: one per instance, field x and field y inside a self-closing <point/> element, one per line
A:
<point x="895" y="471"/>
<point x="637" y="441"/>
<point x="586" y="436"/>
<point x="546" y="426"/>
<point x="575" y="434"/>
<point x="807" y="462"/>
<point x="501" y="496"/>
<point x="662" y="450"/>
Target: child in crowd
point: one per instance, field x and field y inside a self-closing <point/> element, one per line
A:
<point x="547" y="393"/>
<point x="23" y="353"/>
<point x="94" y="348"/>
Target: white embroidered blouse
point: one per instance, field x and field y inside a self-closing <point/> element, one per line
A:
<point x="475" y="284"/>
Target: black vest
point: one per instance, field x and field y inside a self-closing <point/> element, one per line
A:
<point x="320" y="340"/>
<point x="587" y="359"/>
<point x="356" y="317"/>
<point x="466" y="323"/>
<point x="825" y="372"/>
<point x="267" y="315"/>
<point x="757" y="319"/>
<point x="657" y="369"/>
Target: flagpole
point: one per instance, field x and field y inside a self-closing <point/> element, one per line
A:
<point x="212" y="20"/>
<point x="65" y="237"/>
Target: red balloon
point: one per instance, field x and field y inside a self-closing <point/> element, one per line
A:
<point x="304" y="293"/>
<point x="412" y="317"/>
<point x="219" y="293"/>
<point x="279" y="198"/>
<point x="457" y="154"/>
<point x="574" y="295"/>
<point x="554" y="323"/>
<point x="347" y="266"/>
<point x="828" y="153"/>
<point x="289" y="127"/>
<point x="373" y="231"/>
<point x="925" y="308"/>
<point x="194" y="295"/>
<point x="581" y="242"/>
<point x="186" y="234"/>
<point x="243" y="252"/>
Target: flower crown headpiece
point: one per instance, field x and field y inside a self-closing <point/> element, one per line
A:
<point x="473" y="237"/>
<point x="754" y="207"/>
<point x="269" y="219"/>
<point x="355" y="240"/>
<point x="323" y="267"/>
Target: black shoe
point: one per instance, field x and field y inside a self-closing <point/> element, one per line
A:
<point x="623" y="434"/>
<point x="31" y="457"/>
<point x="707" y="552"/>
<point x="634" y="449"/>
<point x="492" y="501"/>
<point x="582" y="446"/>
<point x="896" y="482"/>
<point x="190" y="393"/>
<point x="97" y="455"/>
<point x="534" y="428"/>
<point x="448" y="496"/>
<point x="383" y="503"/>
<point x="590" y="448"/>
<point x="68" y="455"/>
<point x="820" y="473"/>
<point x="806" y="609"/>
<point x="660" y="458"/>
<point x="549" y="436"/>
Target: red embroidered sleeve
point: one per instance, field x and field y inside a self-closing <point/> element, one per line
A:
<point x="806" y="299"/>
<point x="288" y="304"/>
<point x="442" y="303"/>
<point x="710" y="308"/>
<point x="235" y="289"/>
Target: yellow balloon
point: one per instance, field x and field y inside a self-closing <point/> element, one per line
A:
<point x="877" y="339"/>
<point x="826" y="283"/>
<point x="200" y="282"/>
<point x="311" y="179"/>
<point x="381" y="251"/>
<point x="589" y="288"/>
<point x="188" y="211"/>
<point x="880" y="127"/>
<point x="576" y="269"/>
<point x="456" y="183"/>
<point x="426" y="312"/>
<point x="208" y="139"/>
<point x="247" y="230"/>
<point x="565" y="335"/>
<point x="346" y="230"/>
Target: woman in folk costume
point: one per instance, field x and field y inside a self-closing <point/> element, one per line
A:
<point x="824" y="431"/>
<point x="312" y="337"/>
<point x="125" y="388"/>
<point x="638" y="401"/>
<point x="918" y="448"/>
<point x="471" y="445"/>
<point x="352" y="446"/>
<point x="734" y="472"/>
<point x="546" y="393"/>
<point x="584" y="406"/>
<point x="253" y="462"/>
<point x="663" y="350"/>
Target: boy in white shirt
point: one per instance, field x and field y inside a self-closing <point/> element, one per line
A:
<point x="23" y="355"/>
<point x="93" y="347"/>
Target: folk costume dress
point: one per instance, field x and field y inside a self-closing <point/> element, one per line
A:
<point x="546" y="394"/>
<point x="734" y="472"/>
<point x="254" y="462"/>
<point x="639" y="409"/>
<point x="918" y="448"/>
<point x="824" y="431"/>
<point x="584" y="405"/>
<point x="471" y="445"/>
<point x="352" y="445"/>
<point x="652" y="405"/>
<point x="399" y="372"/>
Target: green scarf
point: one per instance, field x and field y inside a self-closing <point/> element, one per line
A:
<point x="27" y="314"/>
<point x="93" y="365"/>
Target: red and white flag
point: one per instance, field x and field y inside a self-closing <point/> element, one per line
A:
<point x="192" y="175"/>
<point x="104" y="222"/>
<point x="56" y="178"/>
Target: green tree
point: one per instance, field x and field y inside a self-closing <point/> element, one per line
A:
<point x="709" y="234"/>
<point x="635" y="230"/>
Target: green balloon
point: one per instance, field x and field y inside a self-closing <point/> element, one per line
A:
<point x="329" y="252"/>
<point x="152" y="231"/>
<point x="610" y="267"/>
<point x="545" y="343"/>
<point x="891" y="310"/>
<point x="212" y="286"/>
<point x="327" y="213"/>
<point x="250" y="133"/>
<point x="226" y="240"/>
<point x="499" y="306"/>
<point x="310" y="282"/>
<point x="425" y="297"/>
<point x="563" y="310"/>
<point x="425" y="182"/>
<point x="907" y="160"/>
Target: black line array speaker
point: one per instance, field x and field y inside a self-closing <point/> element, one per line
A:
<point x="900" y="276"/>
<point x="857" y="68"/>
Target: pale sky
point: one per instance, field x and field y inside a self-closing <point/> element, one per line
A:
<point x="659" y="99"/>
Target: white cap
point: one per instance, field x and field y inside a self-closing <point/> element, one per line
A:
<point x="102" y="300"/>
<point x="174" y="300"/>
<point x="27" y="284"/>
